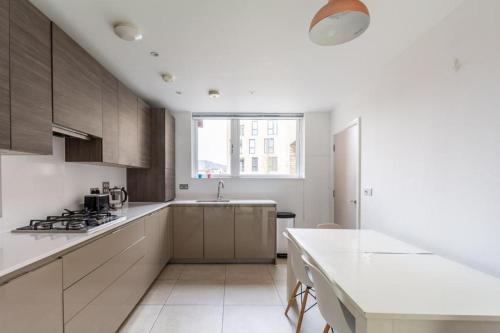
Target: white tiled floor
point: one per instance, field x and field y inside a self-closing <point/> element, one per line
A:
<point x="221" y="299"/>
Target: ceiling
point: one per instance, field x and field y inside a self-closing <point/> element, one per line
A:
<point x="239" y="47"/>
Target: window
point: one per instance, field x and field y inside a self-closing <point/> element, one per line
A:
<point x="251" y="146"/>
<point x="213" y="147"/>
<point x="255" y="128"/>
<point x="272" y="127"/>
<point x="221" y="149"/>
<point x="269" y="146"/>
<point x="255" y="164"/>
<point x="272" y="164"/>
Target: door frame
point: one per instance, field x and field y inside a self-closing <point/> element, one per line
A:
<point x="356" y="121"/>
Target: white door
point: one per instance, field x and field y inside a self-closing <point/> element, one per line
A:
<point x="346" y="173"/>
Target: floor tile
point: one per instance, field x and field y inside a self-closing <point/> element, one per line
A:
<point x="171" y="272"/>
<point x="158" y="293"/>
<point x="203" y="273"/>
<point x="189" y="319"/>
<point x="312" y="322"/>
<point x="250" y="273"/>
<point x="281" y="287"/>
<point x="142" y="319"/>
<point x="251" y="293"/>
<point x="278" y="272"/>
<point x="252" y="319"/>
<point x="197" y="292"/>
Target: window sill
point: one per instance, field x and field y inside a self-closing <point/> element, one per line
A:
<point x="253" y="177"/>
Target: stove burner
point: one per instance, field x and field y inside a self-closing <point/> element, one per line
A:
<point x="70" y="221"/>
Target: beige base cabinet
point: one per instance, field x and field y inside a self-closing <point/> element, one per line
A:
<point x="218" y="232"/>
<point x="255" y="232"/>
<point x="188" y="232"/>
<point x="33" y="302"/>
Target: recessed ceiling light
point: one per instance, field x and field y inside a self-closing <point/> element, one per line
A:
<point x="127" y="31"/>
<point x="167" y="77"/>
<point x="213" y="93"/>
<point x="252" y="92"/>
<point x="178" y="92"/>
<point x="154" y="54"/>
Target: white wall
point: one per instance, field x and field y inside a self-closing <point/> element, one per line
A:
<point x="37" y="186"/>
<point x="308" y="198"/>
<point x="431" y="140"/>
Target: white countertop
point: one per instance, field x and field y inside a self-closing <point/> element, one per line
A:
<point x="396" y="285"/>
<point x="20" y="250"/>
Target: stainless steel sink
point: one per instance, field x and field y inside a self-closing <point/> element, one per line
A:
<point x="214" y="200"/>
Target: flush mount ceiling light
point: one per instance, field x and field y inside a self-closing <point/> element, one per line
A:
<point x="167" y="77"/>
<point x="127" y="31"/>
<point x="213" y="93"/>
<point x="339" y="21"/>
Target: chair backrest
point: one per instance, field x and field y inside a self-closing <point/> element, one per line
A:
<point x="329" y="226"/>
<point x="331" y="308"/>
<point x="298" y="267"/>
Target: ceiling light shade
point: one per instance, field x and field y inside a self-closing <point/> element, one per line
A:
<point x="127" y="31"/>
<point x="339" y="21"/>
<point x="213" y="93"/>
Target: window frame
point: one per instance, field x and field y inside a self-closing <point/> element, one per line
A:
<point x="235" y="147"/>
<point x="267" y="146"/>
<point x="250" y="147"/>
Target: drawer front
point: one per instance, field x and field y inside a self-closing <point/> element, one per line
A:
<point x="107" y="312"/>
<point x="84" y="291"/>
<point x="255" y="232"/>
<point x="81" y="262"/>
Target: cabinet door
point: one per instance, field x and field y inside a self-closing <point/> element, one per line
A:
<point x="188" y="232"/>
<point x="153" y="240"/>
<point x="77" y="85"/>
<point x="255" y="232"/>
<point x="218" y="232"/>
<point x="33" y="302"/>
<point x="144" y="134"/>
<point x="164" y="237"/>
<point x="170" y="234"/>
<point x="127" y="126"/>
<point x="4" y="76"/>
<point x="109" y="89"/>
<point x="30" y="79"/>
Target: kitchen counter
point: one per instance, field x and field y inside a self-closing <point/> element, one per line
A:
<point x="23" y="252"/>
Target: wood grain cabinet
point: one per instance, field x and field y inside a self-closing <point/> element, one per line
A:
<point x="110" y="143"/>
<point x="127" y="126"/>
<point x="76" y="86"/>
<point x="33" y="302"/>
<point x="188" y="232"/>
<point x="144" y="134"/>
<point x="25" y="79"/>
<point x="4" y="76"/>
<point x="255" y="232"/>
<point x="218" y="232"/>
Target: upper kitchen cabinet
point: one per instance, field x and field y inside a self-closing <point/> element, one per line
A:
<point x="4" y="76"/>
<point x="144" y="134"/>
<point x="76" y="86"/>
<point x="127" y="126"/>
<point x="109" y="118"/>
<point x="25" y="79"/>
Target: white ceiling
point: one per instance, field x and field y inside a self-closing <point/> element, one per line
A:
<point x="239" y="46"/>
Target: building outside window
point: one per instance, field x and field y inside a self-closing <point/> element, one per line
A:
<point x="269" y="146"/>
<point x="222" y="146"/>
<point x="272" y="127"/>
<point x="272" y="164"/>
<point x="255" y="128"/>
<point x="255" y="164"/>
<point x="251" y="146"/>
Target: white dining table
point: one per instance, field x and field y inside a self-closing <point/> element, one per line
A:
<point x="391" y="286"/>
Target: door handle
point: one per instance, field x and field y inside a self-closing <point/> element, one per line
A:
<point x="353" y="202"/>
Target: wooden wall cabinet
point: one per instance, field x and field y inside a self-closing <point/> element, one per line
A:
<point x="76" y="86"/>
<point x="157" y="183"/>
<point x="33" y="302"/>
<point x="110" y="143"/>
<point x="255" y="232"/>
<point x="25" y="79"/>
<point x="144" y="134"/>
<point x="127" y="126"/>
<point x="188" y="232"/>
<point x="218" y="232"/>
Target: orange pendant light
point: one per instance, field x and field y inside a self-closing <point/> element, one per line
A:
<point x="339" y="21"/>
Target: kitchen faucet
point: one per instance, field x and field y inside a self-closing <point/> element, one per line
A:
<point x="220" y="186"/>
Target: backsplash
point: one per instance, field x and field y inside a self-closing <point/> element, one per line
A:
<point x="36" y="186"/>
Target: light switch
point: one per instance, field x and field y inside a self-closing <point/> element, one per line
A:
<point x="368" y="192"/>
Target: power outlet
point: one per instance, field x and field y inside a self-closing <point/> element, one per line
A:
<point x="183" y="186"/>
<point x="368" y="192"/>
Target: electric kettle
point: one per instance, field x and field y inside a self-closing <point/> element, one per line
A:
<point x="118" y="196"/>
